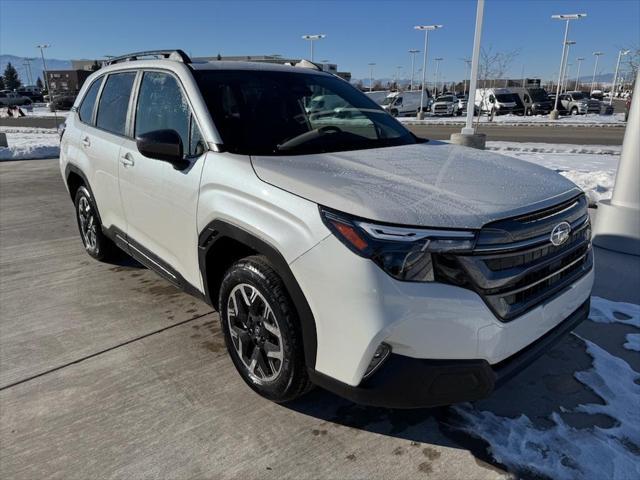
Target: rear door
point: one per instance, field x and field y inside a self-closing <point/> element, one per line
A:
<point x="100" y="133"/>
<point x="160" y="200"/>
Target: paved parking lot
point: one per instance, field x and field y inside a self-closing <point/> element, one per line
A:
<point x="108" y="371"/>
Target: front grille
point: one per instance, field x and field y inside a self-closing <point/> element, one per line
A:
<point x="515" y="267"/>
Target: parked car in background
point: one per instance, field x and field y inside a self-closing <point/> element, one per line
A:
<point x="377" y="96"/>
<point x="463" y="99"/>
<point x="62" y="101"/>
<point x="391" y="270"/>
<point x="579" y="103"/>
<point x="498" y="100"/>
<point x="597" y="95"/>
<point x="535" y="100"/>
<point x="406" y="103"/>
<point x="9" y="98"/>
<point x="446" y="105"/>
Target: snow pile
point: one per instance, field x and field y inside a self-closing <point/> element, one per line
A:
<point x="604" y="311"/>
<point x="588" y="120"/>
<point x="591" y="167"/>
<point x="564" y="452"/>
<point x="30" y="143"/>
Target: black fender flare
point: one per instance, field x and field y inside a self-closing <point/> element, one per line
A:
<point x="71" y="168"/>
<point x="219" y="229"/>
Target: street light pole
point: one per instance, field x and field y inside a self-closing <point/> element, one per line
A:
<point x="313" y="38"/>
<point x="435" y="83"/>
<point x="466" y="75"/>
<point x="615" y="75"/>
<point x="371" y="65"/>
<point x="555" y="114"/>
<point x="427" y="29"/>
<point x="579" y="60"/>
<point x="412" y="52"/>
<point x="565" y="74"/>
<point x="595" y="67"/>
<point x="46" y="78"/>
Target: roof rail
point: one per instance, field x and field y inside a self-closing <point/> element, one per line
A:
<point x="177" y="55"/>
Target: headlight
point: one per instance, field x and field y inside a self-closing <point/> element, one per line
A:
<point x="405" y="253"/>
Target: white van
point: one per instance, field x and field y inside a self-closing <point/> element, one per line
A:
<point x="377" y="96"/>
<point x="406" y="103"/>
<point x="499" y="99"/>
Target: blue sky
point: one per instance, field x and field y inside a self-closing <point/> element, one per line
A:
<point x="358" y="32"/>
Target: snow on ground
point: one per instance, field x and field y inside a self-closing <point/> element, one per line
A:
<point x="30" y="143"/>
<point x="38" y="110"/>
<point x="562" y="451"/>
<point x="604" y="311"/>
<point x="591" y="167"/>
<point x="591" y="119"/>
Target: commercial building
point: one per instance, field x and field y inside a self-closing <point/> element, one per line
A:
<point x="68" y="81"/>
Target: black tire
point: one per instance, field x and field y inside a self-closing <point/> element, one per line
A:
<point x="574" y="111"/>
<point x="289" y="379"/>
<point x="394" y="112"/>
<point x="528" y="112"/>
<point x="94" y="240"/>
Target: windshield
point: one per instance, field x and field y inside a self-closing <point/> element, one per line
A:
<point x="578" y="96"/>
<point x="388" y="100"/>
<point x="446" y="98"/>
<point x="538" y="94"/>
<point x="504" y="97"/>
<point x="287" y="113"/>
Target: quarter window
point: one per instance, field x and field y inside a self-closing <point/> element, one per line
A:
<point x="85" y="112"/>
<point x="162" y="106"/>
<point x="114" y="102"/>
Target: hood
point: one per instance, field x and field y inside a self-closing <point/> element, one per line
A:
<point x="433" y="184"/>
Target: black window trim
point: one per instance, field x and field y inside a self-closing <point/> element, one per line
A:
<point x="133" y="106"/>
<point x="92" y="121"/>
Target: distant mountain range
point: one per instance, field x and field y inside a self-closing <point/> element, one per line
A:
<point x="37" y="68"/>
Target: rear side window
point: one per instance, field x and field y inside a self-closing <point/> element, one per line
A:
<point x="86" y="107"/>
<point x="114" y="101"/>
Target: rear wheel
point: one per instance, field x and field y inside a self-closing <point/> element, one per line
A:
<point x="95" y="242"/>
<point x="262" y="331"/>
<point x="574" y="111"/>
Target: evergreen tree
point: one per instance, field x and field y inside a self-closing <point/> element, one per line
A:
<point x="1" y="83"/>
<point x="39" y="83"/>
<point x="11" y="78"/>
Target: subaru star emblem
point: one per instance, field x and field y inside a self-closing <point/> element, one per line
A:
<point x="560" y="233"/>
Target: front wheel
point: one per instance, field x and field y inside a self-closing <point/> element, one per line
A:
<point x="262" y="331"/>
<point x="574" y="111"/>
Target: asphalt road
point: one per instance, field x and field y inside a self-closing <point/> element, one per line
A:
<point x="108" y="371"/>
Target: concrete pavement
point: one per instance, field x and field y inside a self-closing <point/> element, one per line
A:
<point x="107" y="371"/>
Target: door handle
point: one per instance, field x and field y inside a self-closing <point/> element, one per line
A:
<point x="127" y="160"/>
<point x="86" y="142"/>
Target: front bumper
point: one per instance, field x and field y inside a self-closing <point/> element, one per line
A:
<point x="405" y="382"/>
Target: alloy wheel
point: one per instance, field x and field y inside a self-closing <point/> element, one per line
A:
<point x="255" y="333"/>
<point x="88" y="224"/>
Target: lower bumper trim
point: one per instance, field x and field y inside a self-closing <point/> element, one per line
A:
<point x="405" y="382"/>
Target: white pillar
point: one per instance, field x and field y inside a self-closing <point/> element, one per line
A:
<point x="561" y="73"/>
<point x="595" y="67"/>
<point x="468" y="128"/>
<point x="617" y="225"/>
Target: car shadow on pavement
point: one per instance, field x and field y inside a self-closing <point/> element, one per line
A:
<point x="545" y="387"/>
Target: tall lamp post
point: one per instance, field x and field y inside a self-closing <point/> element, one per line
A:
<point x="413" y="52"/>
<point x="567" y="18"/>
<point x="46" y="79"/>
<point x="595" y="67"/>
<point x="467" y="136"/>
<point x="615" y="75"/>
<point x="565" y="74"/>
<point x="579" y="60"/>
<point x="426" y="29"/>
<point x="466" y="75"/>
<point x="371" y="65"/>
<point x="435" y="83"/>
<point x="312" y="39"/>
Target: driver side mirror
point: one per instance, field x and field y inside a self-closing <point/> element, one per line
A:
<point x="165" y="145"/>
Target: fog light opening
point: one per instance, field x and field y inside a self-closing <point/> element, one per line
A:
<point x="380" y="355"/>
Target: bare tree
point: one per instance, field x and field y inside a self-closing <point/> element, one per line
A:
<point x="493" y="65"/>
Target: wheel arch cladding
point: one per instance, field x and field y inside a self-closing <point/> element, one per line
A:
<point x="221" y="244"/>
<point x="76" y="178"/>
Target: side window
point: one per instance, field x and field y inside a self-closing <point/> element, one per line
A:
<point x="85" y="111"/>
<point x="114" y="101"/>
<point x="161" y="105"/>
<point x="398" y="101"/>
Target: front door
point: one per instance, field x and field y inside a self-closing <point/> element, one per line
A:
<point x="160" y="199"/>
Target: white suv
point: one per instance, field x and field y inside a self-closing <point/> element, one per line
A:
<point x="340" y="250"/>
